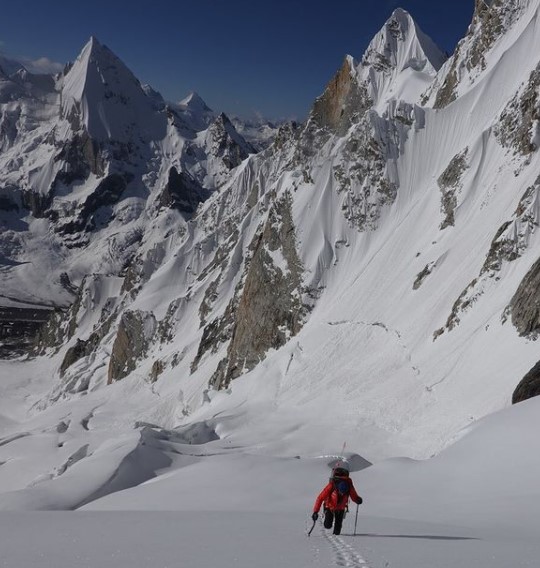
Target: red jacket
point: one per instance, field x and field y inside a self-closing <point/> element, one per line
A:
<point x="333" y="500"/>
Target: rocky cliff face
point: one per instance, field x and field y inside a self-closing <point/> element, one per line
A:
<point x="343" y="102"/>
<point x="134" y="334"/>
<point x="272" y="306"/>
<point x="450" y="184"/>
<point x="529" y="386"/>
<point x="525" y="305"/>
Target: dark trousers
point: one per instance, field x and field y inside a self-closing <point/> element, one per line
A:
<point x="335" y="517"/>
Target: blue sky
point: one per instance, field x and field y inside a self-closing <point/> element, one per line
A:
<point x="242" y="56"/>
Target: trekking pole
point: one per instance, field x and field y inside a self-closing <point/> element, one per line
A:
<point x="356" y="519"/>
<point x="311" y="529"/>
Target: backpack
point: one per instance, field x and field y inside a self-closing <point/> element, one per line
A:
<point x="339" y="472"/>
<point x="341" y="495"/>
<point x="340" y="475"/>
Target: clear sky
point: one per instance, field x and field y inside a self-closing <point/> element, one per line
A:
<point x="242" y="56"/>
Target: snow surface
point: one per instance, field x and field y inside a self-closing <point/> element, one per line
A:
<point x="229" y="498"/>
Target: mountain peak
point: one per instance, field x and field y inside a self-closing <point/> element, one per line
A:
<point x="102" y="94"/>
<point x="197" y="114"/>
<point x="400" y="62"/>
<point x="93" y="42"/>
<point x="93" y="48"/>
<point x="400" y="44"/>
<point x="195" y="102"/>
<point x="402" y="15"/>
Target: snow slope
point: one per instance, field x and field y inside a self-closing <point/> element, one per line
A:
<point x="239" y="501"/>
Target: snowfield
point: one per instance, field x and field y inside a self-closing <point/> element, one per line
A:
<point x="235" y="488"/>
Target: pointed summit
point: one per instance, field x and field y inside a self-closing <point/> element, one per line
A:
<point x="223" y="129"/>
<point x="93" y="44"/>
<point x="197" y="114"/>
<point x="101" y="95"/>
<point x="195" y="102"/>
<point x="399" y="63"/>
<point x="401" y="44"/>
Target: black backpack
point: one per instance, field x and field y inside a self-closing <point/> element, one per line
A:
<point x="339" y="473"/>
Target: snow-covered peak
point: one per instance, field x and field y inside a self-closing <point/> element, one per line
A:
<point x="400" y="61"/>
<point x="197" y="114"/>
<point x="401" y="44"/>
<point x="101" y="95"/>
<point x="195" y="102"/>
<point x="399" y="64"/>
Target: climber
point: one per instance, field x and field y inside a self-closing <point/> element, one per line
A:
<point x="335" y="497"/>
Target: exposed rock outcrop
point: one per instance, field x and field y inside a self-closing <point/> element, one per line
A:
<point x="488" y="25"/>
<point x="231" y="148"/>
<point x="525" y="305"/>
<point x="132" y="340"/>
<point x="182" y="192"/>
<point x="447" y="93"/>
<point x="78" y="351"/>
<point x="422" y="275"/>
<point x="271" y="308"/>
<point x="80" y="156"/>
<point x="157" y="368"/>
<point x="363" y="176"/>
<point x="450" y="183"/>
<point x="342" y="102"/>
<point x="107" y="193"/>
<point x="529" y="385"/>
<point x="518" y="127"/>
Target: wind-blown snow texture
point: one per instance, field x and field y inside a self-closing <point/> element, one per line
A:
<point x="230" y="320"/>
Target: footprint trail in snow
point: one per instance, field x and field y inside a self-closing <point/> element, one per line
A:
<point x="344" y="554"/>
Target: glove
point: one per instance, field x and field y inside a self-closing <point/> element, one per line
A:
<point x="360" y="500"/>
<point x="315" y="516"/>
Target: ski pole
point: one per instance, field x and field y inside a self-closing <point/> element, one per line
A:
<point x="311" y="529"/>
<point x="356" y="519"/>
